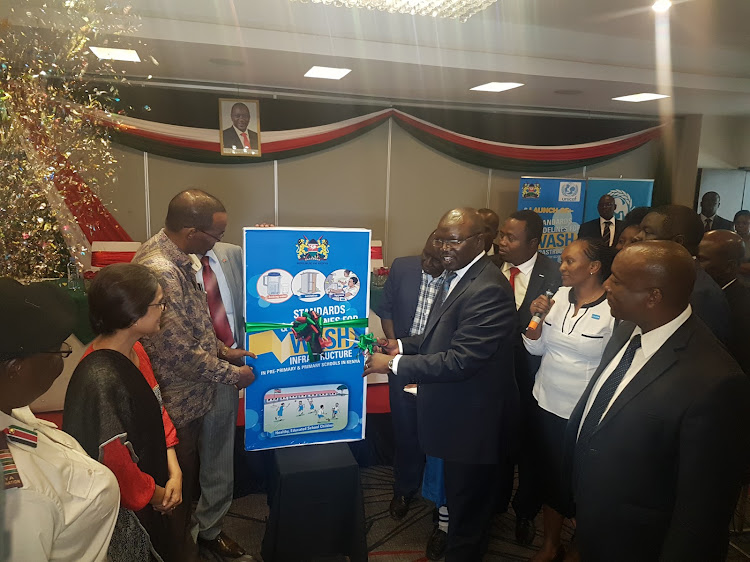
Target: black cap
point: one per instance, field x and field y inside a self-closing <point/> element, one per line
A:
<point x="33" y="318"/>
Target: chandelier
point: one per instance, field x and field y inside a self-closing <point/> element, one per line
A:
<point x="461" y="10"/>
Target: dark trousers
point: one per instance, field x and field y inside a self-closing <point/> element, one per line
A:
<point x="179" y="521"/>
<point x="408" y="458"/>
<point x="528" y="500"/>
<point x="472" y="491"/>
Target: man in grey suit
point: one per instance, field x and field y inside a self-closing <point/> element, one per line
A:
<point x="216" y="448"/>
<point x="658" y="443"/>
<point x="463" y="364"/>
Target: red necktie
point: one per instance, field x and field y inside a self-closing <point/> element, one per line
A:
<point x="215" y="305"/>
<point x="245" y="140"/>
<point x="512" y="279"/>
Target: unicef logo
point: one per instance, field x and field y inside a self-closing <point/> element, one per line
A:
<point x="570" y="191"/>
<point x="623" y="203"/>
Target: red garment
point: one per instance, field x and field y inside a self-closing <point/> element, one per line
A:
<point x="136" y="487"/>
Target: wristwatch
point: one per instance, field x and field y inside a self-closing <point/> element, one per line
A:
<point x="390" y="365"/>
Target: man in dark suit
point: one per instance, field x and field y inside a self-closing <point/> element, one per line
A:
<point x="408" y="296"/>
<point x="710" y="203"/>
<point x="463" y="366"/>
<point x="682" y="225"/>
<point x="604" y="227"/>
<point x="529" y="273"/>
<point x="492" y="222"/>
<point x="720" y="254"/>
<point x="658" y="442"/>
<point x="238" y="136"/>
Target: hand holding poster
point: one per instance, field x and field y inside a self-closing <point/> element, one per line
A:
<point x="306" y="306"/>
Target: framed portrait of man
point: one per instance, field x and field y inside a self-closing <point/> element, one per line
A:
<point x="240" y="127"/>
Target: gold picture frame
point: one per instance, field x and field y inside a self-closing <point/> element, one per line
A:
<point x="232" y="117"/>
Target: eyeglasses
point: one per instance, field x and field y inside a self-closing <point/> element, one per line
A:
<point x="162" y="304"/>
<point x="217" y="238"/>
<point x="452" y="244"/>
<point x="65" y="350"/>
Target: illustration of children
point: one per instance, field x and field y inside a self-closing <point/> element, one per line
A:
<point x="279" y="412"/>
<point x="321" y="413"/>
<point x="335" y="411"/>
<point x="312" y="405"/>
<point x="300" y="409"/>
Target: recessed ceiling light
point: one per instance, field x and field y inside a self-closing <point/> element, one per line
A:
<point x="496" y="86"/>
<point x="661" y="6"/>
<point x="327" y="72"/>
<point x="641" y="97"/>
<point x="115" y="54"/>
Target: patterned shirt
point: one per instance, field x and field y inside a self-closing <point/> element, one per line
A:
<point x="427" y="292"/>
<point x="184" y="353"/>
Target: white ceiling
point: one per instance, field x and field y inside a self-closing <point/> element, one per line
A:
<point x="601" y="48"/>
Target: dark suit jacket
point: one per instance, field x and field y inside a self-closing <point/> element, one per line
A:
<point x="738" y="344"/>
<point x="401" y="293"/>
<point x="664" y="467"/>
<point x="230" y="138"/>
<point x="463" y="364"/>
<point x="592" y="229"/>
<point x="230" y="258"/>
<point x="710" y="304"/>
<point x="720" y="223"/>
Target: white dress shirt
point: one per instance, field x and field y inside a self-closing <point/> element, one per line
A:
<point x="68" y="505"/>
<point x="611" y="229"/>
<point x="459" y="275"/>
<point x="226" y="295"/>
<point x="651" y="342"/>
<point x="521" y="282"/>
<point x="571" y="348"/>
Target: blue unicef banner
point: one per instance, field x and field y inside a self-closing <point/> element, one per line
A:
<point x="628" y="194"/>
<point x="559" y="201"/>
<point x="305" y="288"/>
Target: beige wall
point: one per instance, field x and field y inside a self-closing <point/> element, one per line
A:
<point x="345" y="186"/>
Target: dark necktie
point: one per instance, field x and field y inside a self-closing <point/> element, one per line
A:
<point x="607" y="232"/>
<point x="603" y="398"/>
<point x="447" y="280"/>
<point x="708" y="225"/>
<point x="215" y="305"/>
<point x="514" y="271"/>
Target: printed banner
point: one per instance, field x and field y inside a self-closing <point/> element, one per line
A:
<point x="628" y="194"/>
<point x="297" y="280"/>
<point x="559" y="201"/>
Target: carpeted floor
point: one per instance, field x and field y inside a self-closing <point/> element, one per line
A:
<point x="404" y="541"/>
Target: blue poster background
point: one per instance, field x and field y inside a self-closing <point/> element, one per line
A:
<point x="559" y="201"/>
<point x="628" y="195"/>
<point x="287" y="272"/>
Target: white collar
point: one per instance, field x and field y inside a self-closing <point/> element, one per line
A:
<point x="727" y="285"/>
<point x="653" y="340"/>
<point x="704" y="217"/>
<point x="602" y="220"/>
<point x="525" y="267"/>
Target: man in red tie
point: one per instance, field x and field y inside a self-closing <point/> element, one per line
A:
<point x="529" y="273"/>
<point x="239" y="138"/>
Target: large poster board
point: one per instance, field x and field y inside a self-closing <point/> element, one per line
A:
<point x="289" y="271"/>
<point x="627" y="193"/>
<point x="559" y="201"/>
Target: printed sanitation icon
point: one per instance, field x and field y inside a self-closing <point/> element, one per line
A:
<point x="305" y="409"/>
<point x="275" y="285"/>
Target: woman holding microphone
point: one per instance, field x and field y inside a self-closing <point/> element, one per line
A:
<point x="576" y="326"/>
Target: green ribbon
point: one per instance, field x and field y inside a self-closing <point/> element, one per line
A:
<point x="252" y="327"/>
<point x="367" y="342"/>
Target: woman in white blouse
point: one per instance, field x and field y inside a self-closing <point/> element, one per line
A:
<point x="571" y="340"/>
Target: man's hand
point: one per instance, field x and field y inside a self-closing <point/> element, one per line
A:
<point x="388" y="346"/>
<point x="247" y="376"/>
<point x="237" y="356"/>
<point x="172" y="495"/>
<point x="265" y="225"/>
<point x="377" y="363"/>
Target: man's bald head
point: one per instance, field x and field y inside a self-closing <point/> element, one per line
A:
<point x="492" y="224"/>
<point x="463" y="216"/>
<point x="459" y="237"/>
<point x="192" y="208"/>
<point x="720" y="253"/>
<point x="651" y="283"/>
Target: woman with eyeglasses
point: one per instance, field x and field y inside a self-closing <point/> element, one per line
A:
<point x="113" y="407"/>
<point x="59" y="504"/>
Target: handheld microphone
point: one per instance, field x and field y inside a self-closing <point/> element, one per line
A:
<point x="534" y="323"/>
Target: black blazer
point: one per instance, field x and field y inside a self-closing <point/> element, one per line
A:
<point x="592" y="229"/>
<point x="738" y="344"/>
<point x="662" y="475"/>
<point x="463" y="364"/>
<point x="230" y="138"/>
<point x="720" y="223"/>
<point x="401" y="293"/>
